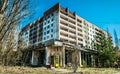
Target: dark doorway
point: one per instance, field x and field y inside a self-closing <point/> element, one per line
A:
<point x="41" y="58"/>
<point x="52" y="60"/>
<point x="68" y="56"/>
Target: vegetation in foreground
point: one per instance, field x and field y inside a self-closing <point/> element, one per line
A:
<point x="99" y="70"/>
<point x="43" y="70"/>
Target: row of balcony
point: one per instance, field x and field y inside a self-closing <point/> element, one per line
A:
<point x="68" y="20"/>
<point x="67" y="12"/>
<point x="35" y="35"/>
<point x="70" y="37"/>
<point x="66" y="25"/>
<point x="64" y="16"/>
<point x="71" y="32"/>
<point x="39" y="39"/>
<point x="71" y="41"/>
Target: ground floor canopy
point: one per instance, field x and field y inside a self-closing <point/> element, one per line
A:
<point x="58" y="54"/>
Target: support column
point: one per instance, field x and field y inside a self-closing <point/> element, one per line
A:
<point x="80" y="59"/>
<point x="47" y="56"/>
<point x="63" y="56"/>
<point x="92" y="61"/>
<point x="61" y="62"/>
<point x="34" y="60"/>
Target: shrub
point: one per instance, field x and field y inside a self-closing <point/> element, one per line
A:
<point x="84" y="63"/>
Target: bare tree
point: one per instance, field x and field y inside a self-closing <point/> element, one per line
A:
<point x="75" y="61"/>
<point x="13" y="13"/>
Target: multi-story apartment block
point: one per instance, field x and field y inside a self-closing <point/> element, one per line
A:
<point x="60" y="32"/>
<point x="25" y="36"/>
<point x="36" y="32"/>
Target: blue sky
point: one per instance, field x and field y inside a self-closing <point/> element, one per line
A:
<point x="103" y="13"/>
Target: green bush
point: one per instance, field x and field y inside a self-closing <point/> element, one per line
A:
<point x="84" y="63"/>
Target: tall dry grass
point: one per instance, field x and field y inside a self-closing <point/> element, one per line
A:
<point x="43" y="70"/>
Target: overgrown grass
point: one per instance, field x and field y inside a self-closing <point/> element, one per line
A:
<point x="99" y="70"/>
<point x="43" y="70"/>
<point x="25" y="70"/>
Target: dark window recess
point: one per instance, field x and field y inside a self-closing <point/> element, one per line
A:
<point x="45" y="23"/>
<point x="35" y="28"/>
<point x="26" y="33"/>
<point x="48" y="21"/>
<point x="35" y="35"/>
<point x="52" y="14"/>
<point x="44" y="38"/>
<point x="47" y="32"/>
<point x="49" y="16"/>
<point x="51" y="35"/>
<point x="44" y="33"/>
<point x="45" y="28"/>
<point x="51" y="30"/>
<point x="52" y="19"/>
<point x="51" y="25"/>
<point x="48" y="26"/>
<point x="34" y="40"/>
<point x="31" y="30"/>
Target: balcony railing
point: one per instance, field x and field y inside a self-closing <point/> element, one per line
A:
<point x="79" y="21"/>
<point x="73" y="27"/>
<point x="63" y="17"/>
<point x="79" y="29"/>
<point x="72" y="15"/>
<point x="79" y="25"/>
<point x="74" y="38"/>
<point x="64" y="34"/>
<point x="62" y="9"/>
<point x="62" y="28"/>
<point x="80" y="39"/>
<point x="71" y="21"/>
<point x="63" y="23"/>
<point x="72" y="42"/>
<point x="72" y="32"/>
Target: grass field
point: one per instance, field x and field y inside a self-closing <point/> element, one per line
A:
<point x="99" y="70"/>
<point x="43" y="70"/>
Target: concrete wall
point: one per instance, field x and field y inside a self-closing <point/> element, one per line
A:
<point x="50" y="24"/>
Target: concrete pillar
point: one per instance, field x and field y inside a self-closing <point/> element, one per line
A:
<point x="47" y="56"/>
<point x="61" y="62"/>
<point x="63" y="49"/>
<point x="92" y="61"/>
<point x="80" y="59"/>
<point x="34" y="60"/>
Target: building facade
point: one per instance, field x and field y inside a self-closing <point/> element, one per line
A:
<point x="54" y="37"/>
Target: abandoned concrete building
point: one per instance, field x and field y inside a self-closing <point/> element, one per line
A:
<point x="53" y="38"/>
